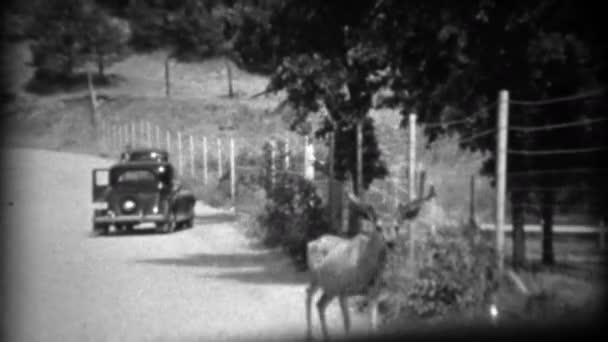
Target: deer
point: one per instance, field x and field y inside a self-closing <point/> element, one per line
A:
<point x="345" y="267"/>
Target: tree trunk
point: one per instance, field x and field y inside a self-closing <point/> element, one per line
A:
<point x="519" y="235"/>
<point x="354" y="224"/>
<point x="229" y="74"/>
<point x="335" y="191"/>
<point x="100" y="66"/>
<point x="547" y="211"/>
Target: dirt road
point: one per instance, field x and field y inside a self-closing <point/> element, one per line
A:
<point x="208" y="283"/>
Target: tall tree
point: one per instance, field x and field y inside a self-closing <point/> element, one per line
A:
<point x="69" y="33"/>
<point x="58" y="31"/>
<point x="329" y="68"/>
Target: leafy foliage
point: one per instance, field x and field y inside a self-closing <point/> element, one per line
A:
<point x="454" y="277"/>
<point x="195" y="32"/>
<point x="151" y="23"/>
<point x="70" y="33"/>
<point x="338" y="83"/>
<point x="293" y="215"/>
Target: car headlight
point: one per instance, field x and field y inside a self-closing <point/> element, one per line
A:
<point x="155" y="209"/>
<point x="128" y="205"/>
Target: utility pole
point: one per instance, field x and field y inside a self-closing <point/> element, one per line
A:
<point x="501" y="173"/>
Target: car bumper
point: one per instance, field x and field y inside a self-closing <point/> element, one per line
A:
<point x="111" y="219"/>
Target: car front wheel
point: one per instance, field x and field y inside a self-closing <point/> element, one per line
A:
<point x="101" y="229"/>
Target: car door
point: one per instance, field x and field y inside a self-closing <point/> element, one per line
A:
<point x="101" y="182"/>
<point x="184" y="201"/>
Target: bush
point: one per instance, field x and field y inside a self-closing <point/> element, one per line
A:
<point x="292" y="216"/>
<point x="454" y="277"/>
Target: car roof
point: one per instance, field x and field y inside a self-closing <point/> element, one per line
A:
<point x="138" y="165"/>
<point x="147" y="150"/>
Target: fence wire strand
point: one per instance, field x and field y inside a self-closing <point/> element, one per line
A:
<point x="469" y="118"/>
<point x="527" y="129"/>
<point x="580" y="96"/>
<point x="542" y="172"/>
<point x="558" y="151"/>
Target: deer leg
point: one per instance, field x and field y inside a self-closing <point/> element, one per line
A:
<point x="321" y="306"/>
<point x="345" y="315"/>
<point x="310" y="292"/>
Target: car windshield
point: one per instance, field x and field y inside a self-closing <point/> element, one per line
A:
<point x="135" y="177"/>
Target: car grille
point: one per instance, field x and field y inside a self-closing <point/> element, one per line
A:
<point x="143" y="203"/>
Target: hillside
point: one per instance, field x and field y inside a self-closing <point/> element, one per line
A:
<point x="199" y="106"/>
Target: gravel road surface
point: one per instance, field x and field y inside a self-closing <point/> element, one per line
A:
<point x="207" y="283"/>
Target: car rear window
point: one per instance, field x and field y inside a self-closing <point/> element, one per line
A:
<point x="147" y="156"/>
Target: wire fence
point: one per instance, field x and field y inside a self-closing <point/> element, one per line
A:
<point x="211" y="160"/>
<point x="226" y="166"/>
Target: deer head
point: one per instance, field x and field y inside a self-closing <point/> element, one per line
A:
<point x="367" y="212"/>
<point x="410" y="210"/>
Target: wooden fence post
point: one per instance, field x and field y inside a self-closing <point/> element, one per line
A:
<point x="121" y="141"/>
<point x="103" y="139"/>
<point x="205" y="160"/>
<point x="330" y="175"/>
<point x="142" y="133"/>
<point x="133" y="135"/>
<point x="501" y="170"/>
<point x="309" y="159"/>
<point x="114" y="137"/>
<point x="273" y="166"/>
<point x="169" y="142"/>
<point x="149" y="133"/>
<point x="192" y="155"/>
<point x="411" y="182"/>
<point x="472" y="219"/>
<point x="93" y="98"/>
<point x="219" y="158"/>
<point x="125" y="135"/>
<point x="232" y="173"/>
<point x="360" y="160"/>
<point x="287" y="153"/>
<point x="179" y="153"/>
<point x="167" y="78"/>
<point x="157" y="129"/>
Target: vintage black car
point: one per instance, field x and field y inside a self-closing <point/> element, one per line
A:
<point x="143" y="154"/>
<point x="128" y="194"/>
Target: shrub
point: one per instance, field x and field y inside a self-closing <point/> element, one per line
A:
<point x="454" y="277"/>
<point x="292" y="216"/>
